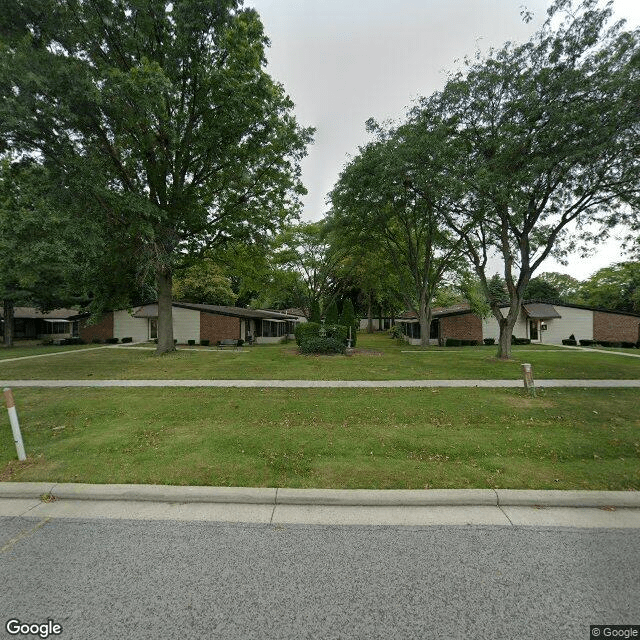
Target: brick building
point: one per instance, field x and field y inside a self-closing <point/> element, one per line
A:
<point x="191" y="322"/>
<point x="541" y="322"/>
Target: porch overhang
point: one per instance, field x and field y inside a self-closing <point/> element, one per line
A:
<point x="541" y="311"/>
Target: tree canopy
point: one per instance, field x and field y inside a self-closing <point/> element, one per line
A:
<point x="542" y="141"/>
<point x="159" y="117"/>
<point x="380" y="202"/>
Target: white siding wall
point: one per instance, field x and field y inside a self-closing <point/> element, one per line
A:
<point x="576" y="321"/>
<point x="273" y="340"/>
<point x="186" y="325"/>
<point x="490" y="328"/>
<point x="126" y="326"/>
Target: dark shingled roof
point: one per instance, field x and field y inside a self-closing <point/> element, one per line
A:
<point x="541" y="310"/>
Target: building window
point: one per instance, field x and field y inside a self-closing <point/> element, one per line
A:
<point x="273" y="328"/>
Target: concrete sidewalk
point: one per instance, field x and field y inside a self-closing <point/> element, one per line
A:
<point x="321" y="384"/>
<point x="323" y="506"/>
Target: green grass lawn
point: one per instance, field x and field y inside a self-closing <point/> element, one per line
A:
<point x="378" y="358"/>
<point x="337" y="438"/>
<point x="20" y="351"/>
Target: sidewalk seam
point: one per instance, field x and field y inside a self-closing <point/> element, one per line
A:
<point x="275" y="505"/>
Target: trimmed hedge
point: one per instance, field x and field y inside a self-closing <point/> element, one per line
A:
<point x="309" y="337"/>
<point x="515" y="340"/>
<point x="127" y="340"/>
<point x="570" y="343"/>
<point x="322" y="345"/>
<point x="111" y="341"/>
<point x="587" y="343"/>
<point x="204" y="343"/>
<point x="489" y="341"/>
<point x="191" y="343"/>
<point x="459" y="342"/>
<point x="306" y="329"/>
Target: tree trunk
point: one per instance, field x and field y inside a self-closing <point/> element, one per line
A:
<point x="506" y="331"/>
<point x="8" y="323"/>
<point x="380" y="318"/>
<point x="425" y="325"/>
<point x="369" y="315"/>
<point x="165" y="313"/>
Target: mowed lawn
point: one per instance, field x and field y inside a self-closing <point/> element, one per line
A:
<point x="378" y="357"/>
<point x="337" y="438"/>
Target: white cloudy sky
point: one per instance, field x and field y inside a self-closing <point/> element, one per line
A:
<point x="343" y="61"/>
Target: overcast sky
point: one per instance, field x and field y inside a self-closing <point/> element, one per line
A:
<point x="344" y="61"/>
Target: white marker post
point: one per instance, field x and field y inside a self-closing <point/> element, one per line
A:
<point x="527" y="374"/>
<point x="15" y="425"/>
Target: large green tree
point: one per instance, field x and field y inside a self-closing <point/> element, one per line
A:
<point x="160" y="116"/>
<point x="545" y="141"/>
<point x="309" y="250"/>
<point x="42" y="258"/>
<point x="381" y="202"/>
<point x="615" y="287"/>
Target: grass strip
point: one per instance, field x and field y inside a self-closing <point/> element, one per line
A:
<point x="378" y="358"/>
<point x="329" y="438"/>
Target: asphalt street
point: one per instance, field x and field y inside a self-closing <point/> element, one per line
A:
<point x="166" y="579"/>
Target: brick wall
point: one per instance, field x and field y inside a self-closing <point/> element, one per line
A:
<point x="214" y="327"/>
<point x="466" y="327"/>
<point x="615" y="327"/>
<point x="102" y="329"/>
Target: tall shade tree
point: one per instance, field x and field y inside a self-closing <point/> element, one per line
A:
<point x="41" y="255"/>
<point x="547" y="142"/>
<point x="384" y="201"/>
<point x="309" y="250"/>
<point x="614" y="287"/>
<point x="163" y="112"/>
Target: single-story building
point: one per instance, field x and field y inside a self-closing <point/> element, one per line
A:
<point x="30" y="323"/>
<point x="378" y="323"/>
<point x="191" y="322"/>
<point x="541" y="322"/>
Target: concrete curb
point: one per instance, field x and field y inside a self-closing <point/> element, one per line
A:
<point x="324" y="497"/>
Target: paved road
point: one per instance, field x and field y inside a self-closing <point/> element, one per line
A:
<point x="166" y="579"/>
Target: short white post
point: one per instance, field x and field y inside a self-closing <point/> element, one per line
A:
<point x="15" y="425"/>
<point x="527" y="374"/>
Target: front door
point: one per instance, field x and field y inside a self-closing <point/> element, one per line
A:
<point x="153" y="328"/>
<point x="534" y="330"/>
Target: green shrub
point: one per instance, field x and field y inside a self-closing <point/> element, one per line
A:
<point x="587" y="343"/>
<point x="520" y="340"/>
<point x="331" y="315"/>
<point x="204" y="343"/>
<point x="395" y="332"/>
<point x="348" y="319"/>
<point x="628" y="345"/>
<point x="338" y="332"/>
<point x="96" y="341"/>
<point x="322" y="345"/>
<point x="127" y="340"/>
<point x="191" y="343"/>
<point x="111" y="341"/>
<point x="312" y="330"/>
<point x="306" y="329"/>
<point x="489" y="341"/>
<point x="569" y="342"/>
<point x="461" y="342"/>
